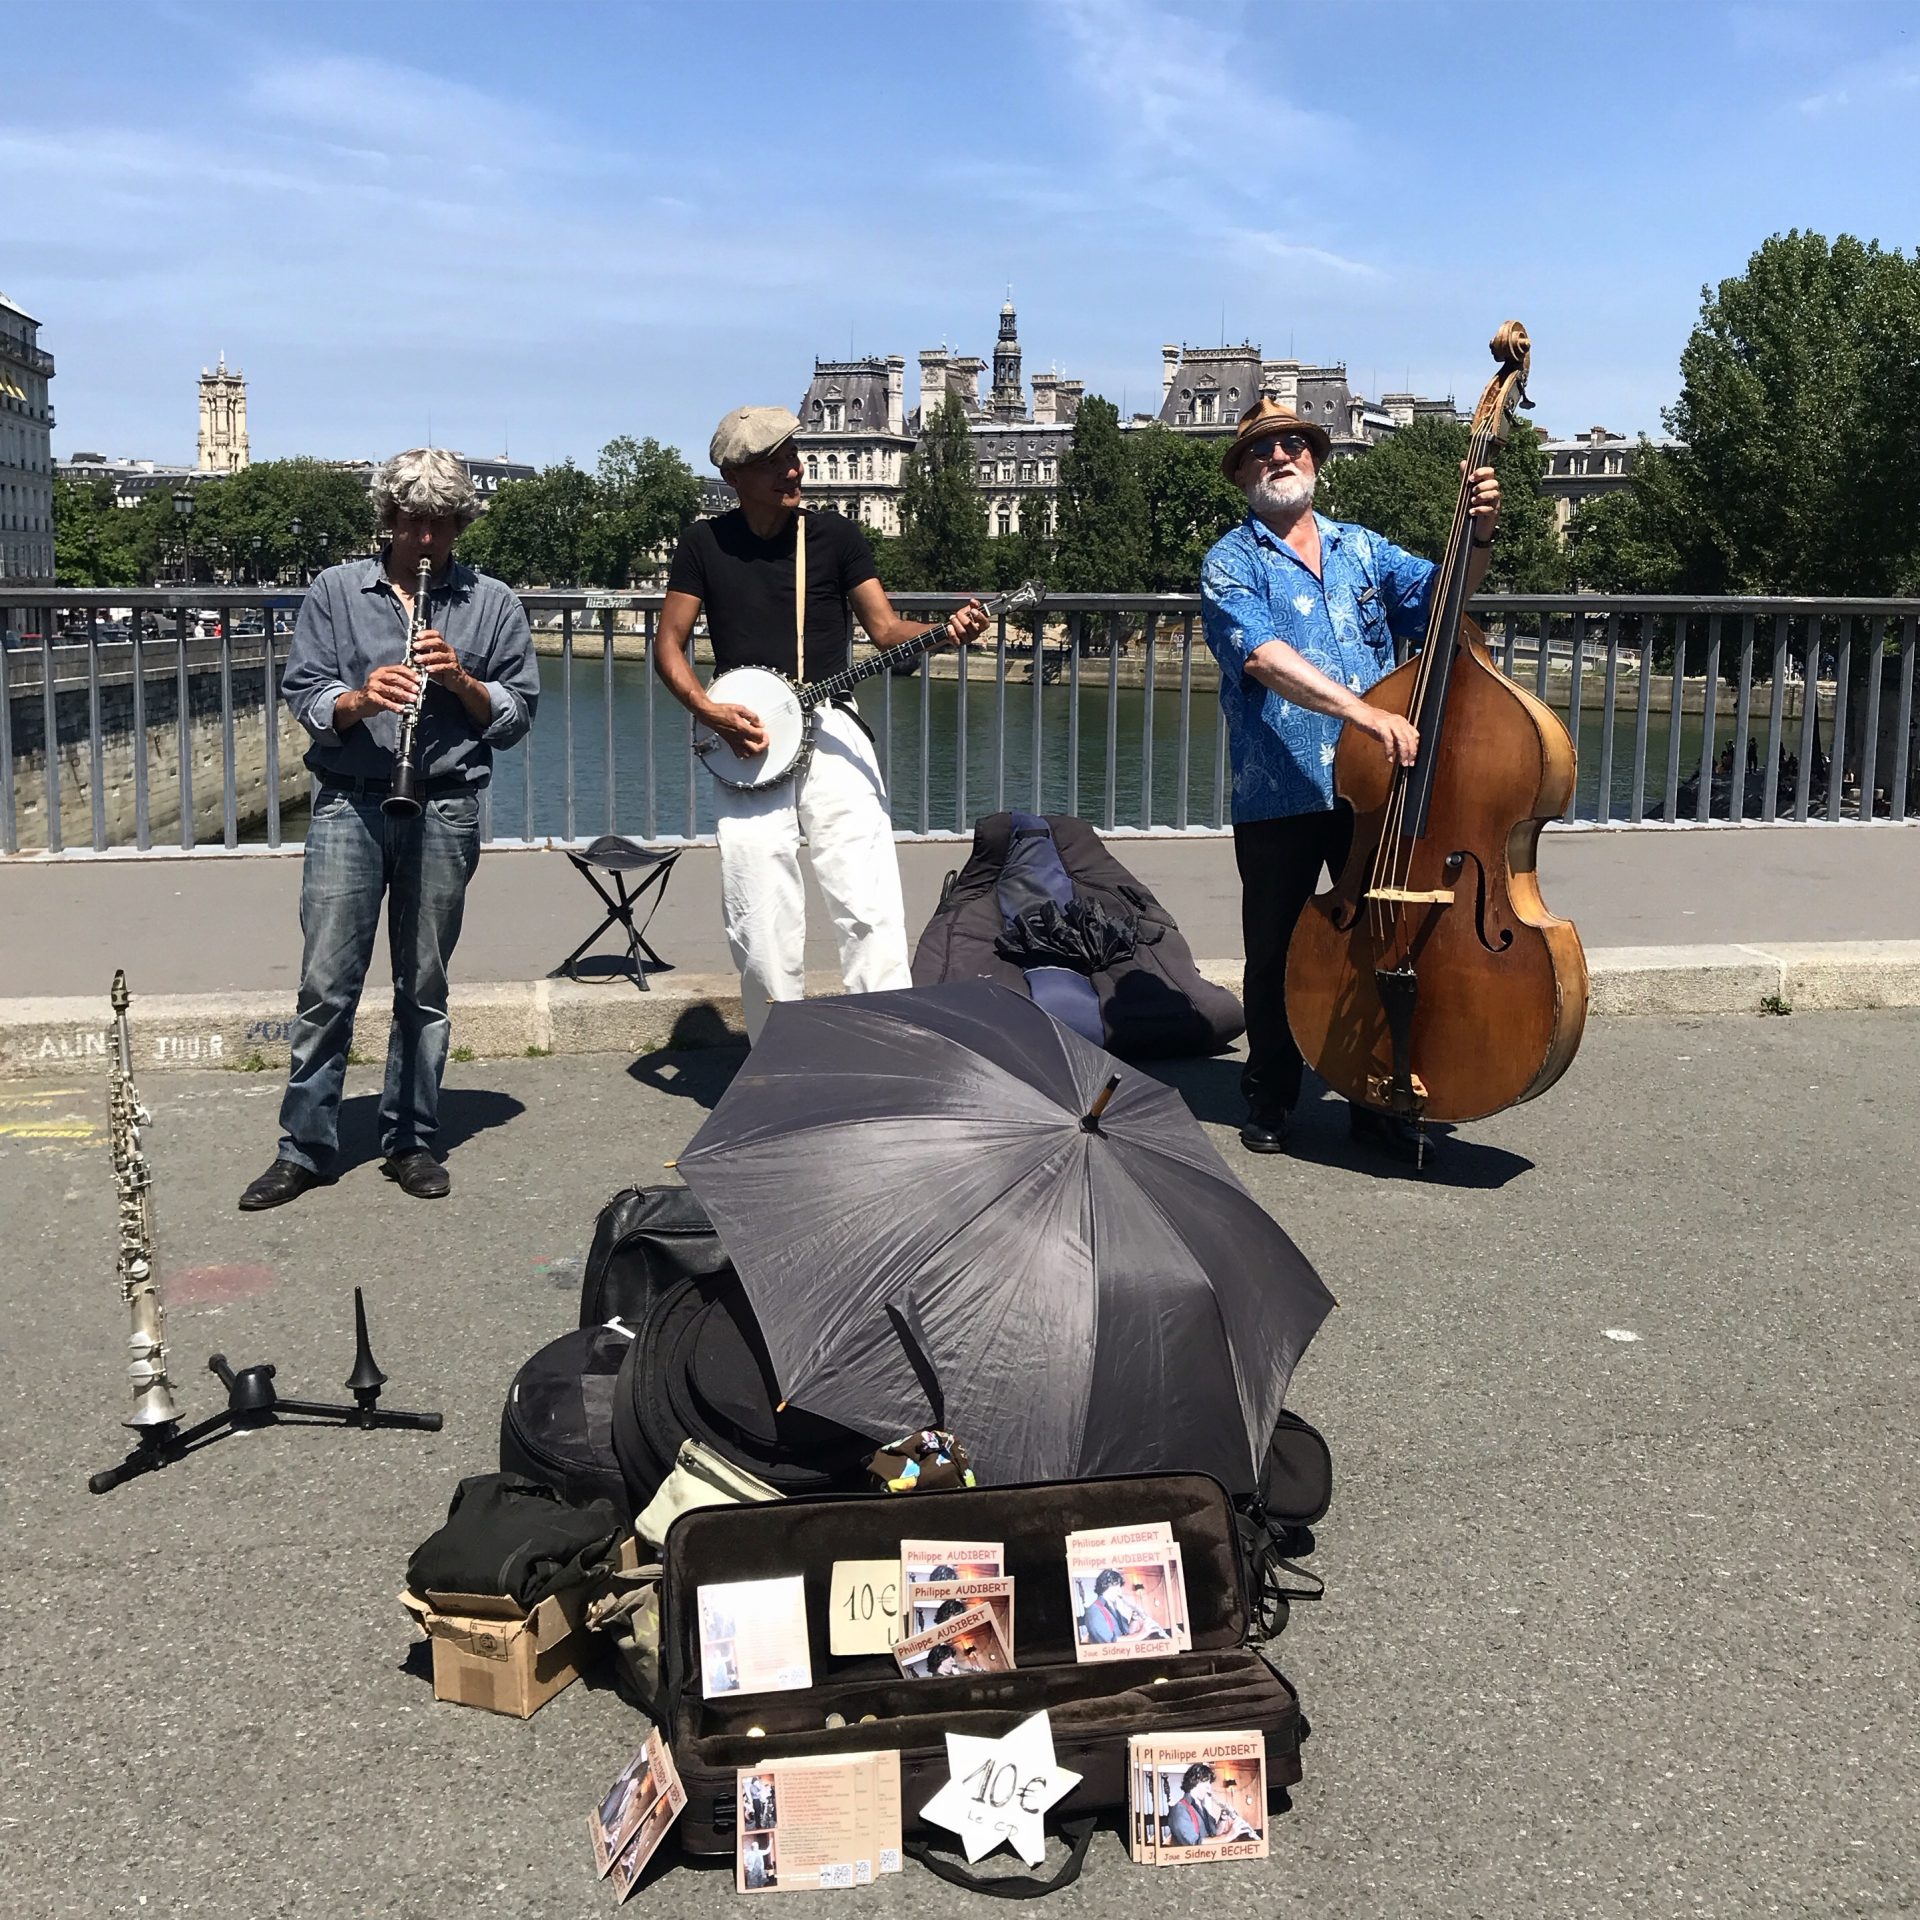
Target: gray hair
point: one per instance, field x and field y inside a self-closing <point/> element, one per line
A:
<point x="428" y="481"/>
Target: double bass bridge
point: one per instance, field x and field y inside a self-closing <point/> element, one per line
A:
<point x="1411" y="896"/>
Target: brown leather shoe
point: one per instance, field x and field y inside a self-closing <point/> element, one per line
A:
<point x="283" y="1181"/>
<point x="418" y="1173"/>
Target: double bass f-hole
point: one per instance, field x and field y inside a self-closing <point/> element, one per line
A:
<point x="1454" y="862"/>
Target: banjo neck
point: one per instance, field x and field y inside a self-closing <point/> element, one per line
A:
<point x="817" y="693"/>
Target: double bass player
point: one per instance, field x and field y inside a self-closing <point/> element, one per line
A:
<point x="1302" y="614"/>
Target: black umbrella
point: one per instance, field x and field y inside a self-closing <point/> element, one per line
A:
<point x="945" y="1206"/>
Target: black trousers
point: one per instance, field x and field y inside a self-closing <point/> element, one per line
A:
<point x="1279" y="862"/>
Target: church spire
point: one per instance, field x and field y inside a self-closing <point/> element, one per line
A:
<point x="1008" y="402"/>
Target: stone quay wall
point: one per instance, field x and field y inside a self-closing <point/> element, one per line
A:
<point x="158" y="743"/>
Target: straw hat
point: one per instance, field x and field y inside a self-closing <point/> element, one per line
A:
<point x="1269" y="416"/>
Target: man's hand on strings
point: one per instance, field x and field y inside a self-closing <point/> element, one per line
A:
<point x="1399" y="736"/>
<point x="968" y="623"/>
<point x="739" y="727"/>
<point x="1483" y="504"/>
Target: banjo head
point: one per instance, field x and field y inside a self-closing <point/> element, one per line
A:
<point x="771" y="698"/>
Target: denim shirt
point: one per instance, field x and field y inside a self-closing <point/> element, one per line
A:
<point x="1255" y="588"/>
<point x="352" y="621"/>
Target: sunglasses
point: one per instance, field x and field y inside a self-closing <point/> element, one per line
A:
<point x="1293" y="445"/>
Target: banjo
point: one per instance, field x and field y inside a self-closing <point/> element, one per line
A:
<point x="785" y="708"/>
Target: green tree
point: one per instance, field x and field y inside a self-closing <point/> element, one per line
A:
<point x="261" y="503"/>
<point x="1015" y="558"/>
<point x="1620" y="542"/>
<point x="538" y="531"/>
<point x="1102" y="536"/>
<point x="1801" y="467"/>
<point x="1189" y="504"/>
<point x="942" y="547"/>
<point x="93" y="536"/>
<point x="645" y="495"/>
<point x="1408" y="485"/>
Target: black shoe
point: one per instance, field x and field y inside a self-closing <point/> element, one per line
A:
<point x="283" y="1181"/>
<point x="417" y="1172"/>
<point x="1264" y="1132"/>
<point x="1387" y="1133"/>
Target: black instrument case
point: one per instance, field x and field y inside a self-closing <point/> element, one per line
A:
<point x="1222" y="1684"/>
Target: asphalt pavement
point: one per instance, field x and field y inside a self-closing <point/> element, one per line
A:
<point x="214" y="922"/>
<point x="1620" y="1565"/>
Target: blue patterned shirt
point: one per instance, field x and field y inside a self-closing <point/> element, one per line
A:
<point x="1255" y="588"/>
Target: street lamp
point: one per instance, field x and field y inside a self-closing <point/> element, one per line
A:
<point x="256" y="559"/>
<point x="183" y="515"/>
<point x="299" y="557"/>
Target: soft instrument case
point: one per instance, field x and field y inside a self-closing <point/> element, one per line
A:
<point x="1154" y="1004"/>
<point x="1223" y="1684"/>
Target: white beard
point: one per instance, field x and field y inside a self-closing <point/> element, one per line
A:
<point x="1277" y="499"/>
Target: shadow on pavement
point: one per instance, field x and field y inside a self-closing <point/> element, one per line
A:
<point x="1320" y="1138"/>
<point x="697" y="1073"/>
<point x="464" y="1111"/>
<point x="606" y="969"/>
<point x="1211" y="1089"/>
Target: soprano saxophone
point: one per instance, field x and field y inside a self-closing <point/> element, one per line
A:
<point x="154" y="1413"/>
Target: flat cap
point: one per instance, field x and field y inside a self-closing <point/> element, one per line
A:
<point x="748" y="432"/>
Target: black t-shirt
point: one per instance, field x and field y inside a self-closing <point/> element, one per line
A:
<point x="745" y="585"/>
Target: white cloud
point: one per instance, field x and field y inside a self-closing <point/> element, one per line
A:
<point x="1274" y="246"/>
<point x="1865" y="85"/>
<point x="1187" y="88"/>
<point x="383" y="108"/>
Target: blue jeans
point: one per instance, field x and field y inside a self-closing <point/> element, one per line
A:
<point x="357" y="854"/>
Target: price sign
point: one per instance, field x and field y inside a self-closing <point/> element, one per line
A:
<point x="998" y="1790"/>
<point x="863" y="1606"/>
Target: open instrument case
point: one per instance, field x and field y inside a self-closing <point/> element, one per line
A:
<point x="1222" y="1684"/>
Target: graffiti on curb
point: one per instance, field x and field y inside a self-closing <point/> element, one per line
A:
<point x="174" y="1048"/>
<point x="80" y="1044"/>
<point x="276" y="1031"/>
<point x="87" y="1044"/>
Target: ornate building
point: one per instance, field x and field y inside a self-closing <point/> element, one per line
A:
<point x="1595" y="462"/>
<point x="855" y="440"/>
<point x="1204" y="391"/>
<point x="223" y="420"/>
<point x="26" y="459"/>
<point x="856" y="434"/>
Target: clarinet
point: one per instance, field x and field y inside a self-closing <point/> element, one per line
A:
<point x="154" y="1414"/>
<point x="403" y="799"/>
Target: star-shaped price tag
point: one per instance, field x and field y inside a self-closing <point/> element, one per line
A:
<point x="998" y="1789"/>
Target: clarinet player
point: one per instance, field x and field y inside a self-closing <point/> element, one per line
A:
<point x="347" y="681"/>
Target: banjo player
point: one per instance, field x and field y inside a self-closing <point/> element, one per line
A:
<point x="744" y="568"/>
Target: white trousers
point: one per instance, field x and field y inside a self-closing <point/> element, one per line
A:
<point x="840" y="805"/>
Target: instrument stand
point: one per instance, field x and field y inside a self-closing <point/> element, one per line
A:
<point x="254" y="1401"/>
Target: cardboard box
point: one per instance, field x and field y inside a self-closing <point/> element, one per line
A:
<point x="489" y="1651"/>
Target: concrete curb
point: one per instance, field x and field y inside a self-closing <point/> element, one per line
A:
<point x="249" y="1031"/>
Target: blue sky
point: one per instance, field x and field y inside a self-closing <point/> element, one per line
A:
<point x="542" y="224"/>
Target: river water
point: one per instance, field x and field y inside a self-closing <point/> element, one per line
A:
<point x="917" y="721"/>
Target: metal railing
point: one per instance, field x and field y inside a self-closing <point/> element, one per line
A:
<point x="1685" y="711"/>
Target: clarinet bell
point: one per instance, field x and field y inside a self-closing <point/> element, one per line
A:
<point x="403" y="800"/>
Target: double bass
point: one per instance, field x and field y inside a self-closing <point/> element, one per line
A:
<point x="1430" y="982"/>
